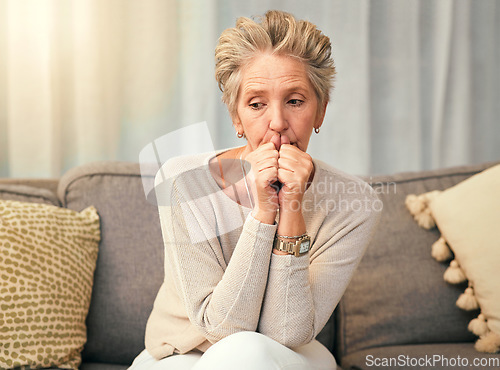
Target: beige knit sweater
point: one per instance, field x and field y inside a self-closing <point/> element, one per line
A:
<point x="221" y="276"/>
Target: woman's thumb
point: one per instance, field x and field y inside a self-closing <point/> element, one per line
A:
<point x="276" y="141"/>
<point x="285" y="139"/>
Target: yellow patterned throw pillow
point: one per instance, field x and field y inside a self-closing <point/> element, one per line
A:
<point x="47" y="261"/>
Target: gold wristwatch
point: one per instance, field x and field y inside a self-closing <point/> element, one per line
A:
<point x="298" y="247"/>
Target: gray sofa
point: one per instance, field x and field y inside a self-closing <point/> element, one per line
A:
<point x="397" y="306"/>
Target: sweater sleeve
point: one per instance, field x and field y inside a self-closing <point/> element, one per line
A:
<point x="302" y="292"/>
<point x="219" y="299"/>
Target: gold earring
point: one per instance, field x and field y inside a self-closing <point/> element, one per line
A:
<point x="316" y="130"/>
<point x="240" y="135"/>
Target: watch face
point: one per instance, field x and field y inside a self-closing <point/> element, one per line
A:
<point x="304" y="246"/>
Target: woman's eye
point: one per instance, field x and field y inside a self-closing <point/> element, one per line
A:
<point x="256" y="105"/>
<point x="295" y="102"/>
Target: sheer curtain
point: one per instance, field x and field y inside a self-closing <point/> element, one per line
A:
<point x="418" y="83"/>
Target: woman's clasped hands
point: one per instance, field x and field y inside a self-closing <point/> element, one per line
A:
<point x="278" y="178"/>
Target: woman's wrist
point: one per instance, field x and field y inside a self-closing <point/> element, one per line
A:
<point x="291" y="223"/>
<point x="266" y="217"/>
<point x="291" y="206"/>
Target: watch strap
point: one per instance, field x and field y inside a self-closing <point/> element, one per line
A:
<point x="298" y="247"/>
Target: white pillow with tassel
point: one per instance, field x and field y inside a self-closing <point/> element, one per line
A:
<point x="468" y="217"/>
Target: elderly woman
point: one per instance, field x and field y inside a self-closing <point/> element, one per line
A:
<point x="260" y="240"/>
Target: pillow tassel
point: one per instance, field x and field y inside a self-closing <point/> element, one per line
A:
<point x="440" y="250"/>
<point x="425" y="219"/>
<point x="489" y="343"/>
<point x="467" y="301"/>
<point x="478" y="325"/>
<point x="419" y="208"/>
<point x="415" y="204"/>
<point x="454" y="274"/>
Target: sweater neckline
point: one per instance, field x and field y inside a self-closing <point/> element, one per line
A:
<point x="206" y="162"/>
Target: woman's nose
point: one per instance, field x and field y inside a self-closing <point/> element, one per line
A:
<point x="277" y="118"/>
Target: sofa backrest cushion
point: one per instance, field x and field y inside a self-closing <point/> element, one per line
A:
<point x="397" y="295"/>
<point x="26" y="193"/>
<point x="130" y="262"/>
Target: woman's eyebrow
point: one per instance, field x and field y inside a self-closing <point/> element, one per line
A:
<point x="257" y="91"/>
<point x="253" y="91"/>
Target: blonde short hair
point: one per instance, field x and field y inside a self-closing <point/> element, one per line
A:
<point x="278" y="33"/>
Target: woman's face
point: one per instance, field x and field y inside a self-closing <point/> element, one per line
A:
<point x="276" y="96"/>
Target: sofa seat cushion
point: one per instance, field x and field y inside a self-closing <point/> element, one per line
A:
<point x="427" y="356"/>
<point x="101" y="366"/>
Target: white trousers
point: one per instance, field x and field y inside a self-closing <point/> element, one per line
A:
<point x="245" y="351"/>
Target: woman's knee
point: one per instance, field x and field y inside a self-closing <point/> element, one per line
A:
<point x="242" y="350"/>
<point x="245" y="342"/>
